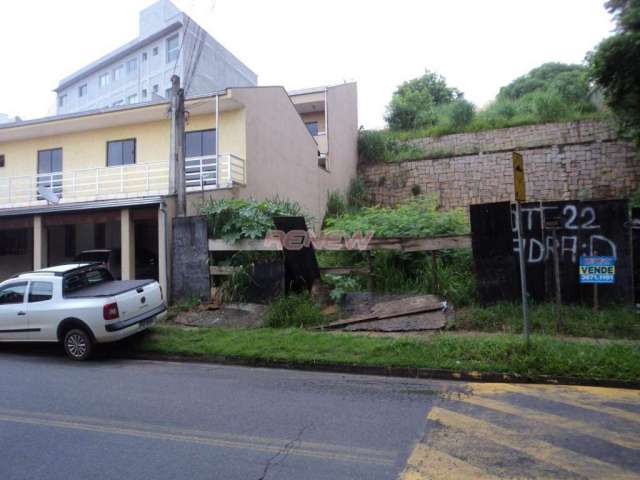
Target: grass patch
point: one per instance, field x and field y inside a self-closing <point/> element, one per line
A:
<point x="505" y="353"/>
<point x="578" y="321"/>
<point x="293" y="311"/>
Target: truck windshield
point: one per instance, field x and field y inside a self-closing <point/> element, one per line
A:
<point x="85" y="278"/>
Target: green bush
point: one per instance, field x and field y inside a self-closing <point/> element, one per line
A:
<point x="233" y="219"/>
<point x="293" y="311"/>
<point x="456" y="115"/>
<point x="372" y="145"/>
<point x="382" y="146"/>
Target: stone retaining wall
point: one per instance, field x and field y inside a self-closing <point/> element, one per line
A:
<point x="563" y="161"/>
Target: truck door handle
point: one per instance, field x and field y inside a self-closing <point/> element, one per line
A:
<point x="22" y="313"/>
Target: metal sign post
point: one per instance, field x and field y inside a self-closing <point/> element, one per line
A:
<point x="554" y="226"/>
<point x="521" y="195"/>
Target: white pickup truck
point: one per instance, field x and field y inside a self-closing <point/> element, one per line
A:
<point x="77" y="305"/>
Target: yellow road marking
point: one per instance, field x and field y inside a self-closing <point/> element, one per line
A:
<point x="551" y="419"/>
<point x="566" y="396"/>
<point x="538" y="449"/>
<point x="333" y="452"/>
<point x="428" y="463"/>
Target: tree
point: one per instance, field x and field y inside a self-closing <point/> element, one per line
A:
<point x="415" y="103"/>
<point x="615" y="65"/>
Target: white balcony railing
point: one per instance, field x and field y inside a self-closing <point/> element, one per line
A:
<point x="88" y="184"/>
<point x="222" y="171"/>
<point x="127" y="181"/>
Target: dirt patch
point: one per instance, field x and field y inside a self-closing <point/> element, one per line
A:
<point x="235" y="315"/>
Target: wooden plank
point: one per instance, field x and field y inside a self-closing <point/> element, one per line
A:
<point x="246" y="244"/>
<point x="223" y="270"/>
<point x="421" y="244"/>
<point x="393" y="310"/>
<point x="407" y="306"/>
<point x="344" y="270"/>
<point x="397" y="244"/>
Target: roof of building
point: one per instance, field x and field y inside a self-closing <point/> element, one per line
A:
<point x="116" y="55"/>
<point x="305" y="91"/>
<point x="318" y="89"/>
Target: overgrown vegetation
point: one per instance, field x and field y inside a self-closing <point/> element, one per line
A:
<point x="577" y="320"/>
<point x="233" y="219"/>
<point x="412" y="218"/>
<point x="295" y="310"/>
<point x="381" y="146"/>
<point x="428" y="107"/>
<point x="615" y="66"/>
<point x="618" y="360"/>
<point x="403" y="272"/>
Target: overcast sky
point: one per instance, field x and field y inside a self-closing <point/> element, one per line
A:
<point x="477" y="45"/>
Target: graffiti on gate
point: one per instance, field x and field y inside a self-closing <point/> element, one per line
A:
<point x="579" y="233"/>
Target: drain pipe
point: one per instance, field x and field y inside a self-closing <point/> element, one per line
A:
<point x="167" y="265"/>
<point x="218" y="141"/>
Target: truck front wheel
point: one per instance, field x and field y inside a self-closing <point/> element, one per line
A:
<point x="77" y="344"/>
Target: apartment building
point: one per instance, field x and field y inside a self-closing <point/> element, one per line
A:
<point x="102" y="179"/>
<point x="169" y="43"/>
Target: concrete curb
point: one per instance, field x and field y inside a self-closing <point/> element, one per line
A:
<point x="402" y="372"/>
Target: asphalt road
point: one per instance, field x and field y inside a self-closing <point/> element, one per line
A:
<point x="119" y="419"/>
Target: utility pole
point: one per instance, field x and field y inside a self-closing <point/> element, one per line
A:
<point x="177" y="145"/>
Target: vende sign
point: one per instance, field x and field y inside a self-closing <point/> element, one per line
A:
<point x="597" y="269"/>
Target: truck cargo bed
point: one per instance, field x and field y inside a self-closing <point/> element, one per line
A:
<point x="108" y="289"/>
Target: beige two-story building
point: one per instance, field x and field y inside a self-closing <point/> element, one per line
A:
<point x="103" y="179"/>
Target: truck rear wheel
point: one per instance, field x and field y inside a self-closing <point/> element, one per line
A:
<point x="77" y="344"/>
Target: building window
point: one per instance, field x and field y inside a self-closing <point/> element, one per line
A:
<point x="61" y="100"/>
<point x="40" y="291"/>
<point x="103" y="80"/>
<point x="82" y="90"/>
<point x="132" y="66"/>
<point x="155" y="51"/>
<point x="144" y="56"/>
<point x="50" y="170"/>
<point x="117" y="73"/>
<point x="2" y="160"/>
<point x="156" y="87"/>
<point x="144" y="93"/>
<point x="167" y="93"/>
<point x="312" y="127"/>
<point x="121" y="152"/>
<point x="132" y="99"/>
<point x="173" y="48"/>
<point x="200" y="143"/>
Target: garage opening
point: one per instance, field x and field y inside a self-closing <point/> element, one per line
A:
<point x="97" y="237"/>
